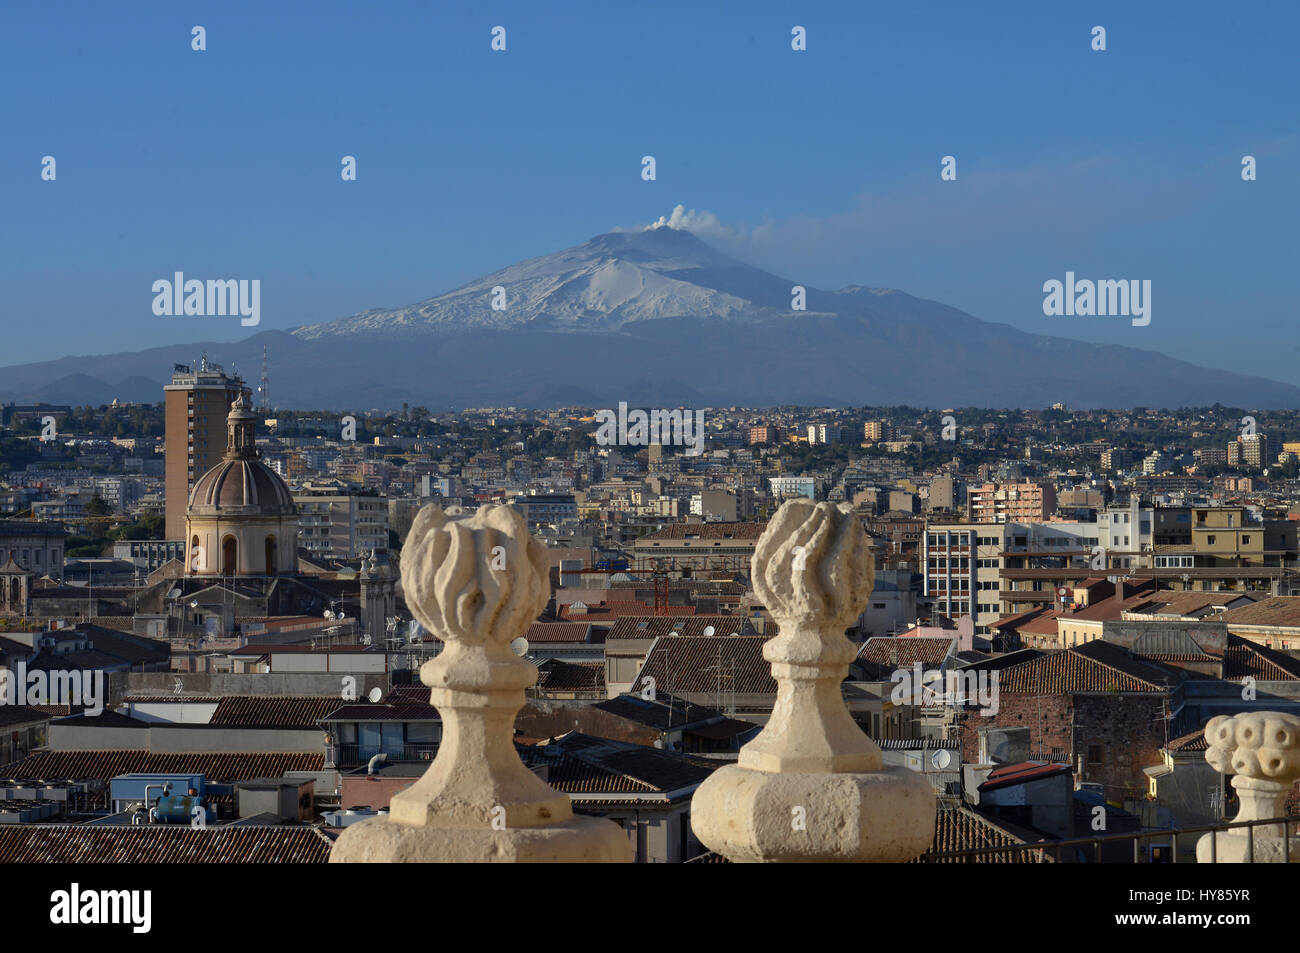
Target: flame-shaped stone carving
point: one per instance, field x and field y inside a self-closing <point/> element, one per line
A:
<point x="452" y="587"/>
<point x="813" y="566"/>
<point x="812" y="785"/>
<point x="477" y="583"/>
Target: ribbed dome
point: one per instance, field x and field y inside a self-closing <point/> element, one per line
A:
<point x="242" y="485"/>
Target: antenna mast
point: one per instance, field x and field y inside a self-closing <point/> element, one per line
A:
<point x="265" y="387"/>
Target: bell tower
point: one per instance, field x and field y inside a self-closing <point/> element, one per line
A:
<point x="378" y="595"/>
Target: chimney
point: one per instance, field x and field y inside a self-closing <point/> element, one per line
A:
<point x="1119" y="589"/>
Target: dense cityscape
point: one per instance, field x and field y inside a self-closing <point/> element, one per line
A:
<point x="599" y="434"/>
<point x="1105" y="582"/>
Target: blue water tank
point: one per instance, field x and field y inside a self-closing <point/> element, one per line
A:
<point x="131" y="787"/>
<point x="180" y="809"/>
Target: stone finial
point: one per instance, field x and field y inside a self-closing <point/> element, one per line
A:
<point x="812" y="785"/>
<point x="1262" y="750"/>
<point x="477" y="583"/>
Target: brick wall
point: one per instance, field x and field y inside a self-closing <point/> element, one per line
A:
<point x="1125" y="727"/>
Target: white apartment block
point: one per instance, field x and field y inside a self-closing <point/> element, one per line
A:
<point x="824" y="433"/>
<point x="1124" y="532"/>
<point x="963" y="562"/>
<point x="341" y="525"/>
<point x="784" y="486"/>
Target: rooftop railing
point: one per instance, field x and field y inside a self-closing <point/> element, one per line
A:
<point x="1091" y="849"/>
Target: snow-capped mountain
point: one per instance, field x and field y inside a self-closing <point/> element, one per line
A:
<point x="661" y="319"/>
<point x="603" y="285"/>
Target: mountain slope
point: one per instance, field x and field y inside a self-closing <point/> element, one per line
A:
<point x="660" y="318"/>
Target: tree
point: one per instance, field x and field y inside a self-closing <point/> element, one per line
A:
<point x="97" y="507"/>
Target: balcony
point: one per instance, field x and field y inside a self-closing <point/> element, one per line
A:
<point x="1043" y="596"/>
<point x="355" y="755"/>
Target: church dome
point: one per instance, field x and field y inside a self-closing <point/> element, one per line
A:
<point x="241" y="484"/>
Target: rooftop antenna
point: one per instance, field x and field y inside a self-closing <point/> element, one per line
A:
<point x="265" y="387"/>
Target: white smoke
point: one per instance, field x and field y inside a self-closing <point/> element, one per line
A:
<point x="691" y="221"/>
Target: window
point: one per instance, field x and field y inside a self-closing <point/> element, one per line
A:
<point x="1245" y="540"/>
<point x="1094" y="754"/>
<point x="1210" y="540"/>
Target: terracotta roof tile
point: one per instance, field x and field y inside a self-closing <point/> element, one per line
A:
<point x="962" y="829"/>
<point x="285" y="711"/>
<point x="1094" y="667"/>
<point x="1192" y="741"/>
<point x="220" y="767"/>
<point x="654" y="626"/>
<point x="704" y="664"/>
<point x="881" y="655"/>
<point x="1243" y="657"/>
<point x="1279" y="611"/>
<point x="161" y="844"/>
<point x="557" y="676"/>
<point x="559" y="632"/>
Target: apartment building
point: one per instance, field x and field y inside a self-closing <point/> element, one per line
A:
<point x="1010" y="502"/>
<point x="1220" y="536"/>
<point x="1252" y="450"/>
<point x="945" y="493"/>
<point x="1124" y="533"/>
<point x="34" y="546"/>
<point x="961" y="562"/>
<point x="546" y="508"/>
<point x="715" y="505"/>
<point x="336" y="523"/>
<point x="1039" y="559"/>
<point x="988" y="570"/>
<point x="196" y="404"/>
<point x="823" y="433"/>
<point x="877" y="430"/>
<point x="699" y="546"/>
<point x="1117" y="458"/>
<point x="787" y="486"/>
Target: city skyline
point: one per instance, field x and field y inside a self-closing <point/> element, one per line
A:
<point x="648" y="434"/>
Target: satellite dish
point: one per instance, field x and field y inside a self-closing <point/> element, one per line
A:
<point x="329" y="614"/>
<point x="194" y="604"/>
<point x="375" y="695"/>
<point x="674" y="634"/>
<point x="519" y="646"/>
<point x="941" y="759"/>
<point x="174" y="594"/>
<point x="709" y="630"/>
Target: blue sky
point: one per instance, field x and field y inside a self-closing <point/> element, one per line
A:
<point x="822" y="166"/>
